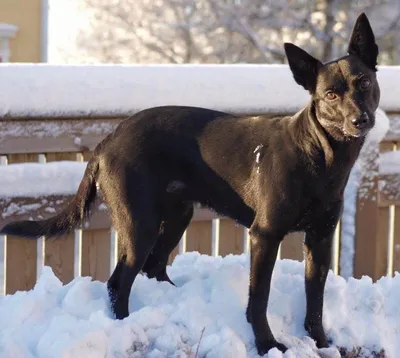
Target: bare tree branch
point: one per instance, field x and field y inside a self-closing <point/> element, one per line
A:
<point x="216" y="31"/>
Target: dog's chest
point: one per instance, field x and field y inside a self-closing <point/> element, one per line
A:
<point x="332" y="178"/>
<point x="326" y="188"/>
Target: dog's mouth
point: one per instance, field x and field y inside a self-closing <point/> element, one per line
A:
<point x="358" y="134"/>
<point x="342" y="132"/>
<point x="346" y="130"/>
<point x="350" y="131"/>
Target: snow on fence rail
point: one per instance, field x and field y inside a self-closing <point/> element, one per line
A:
<point x="42" y="90"/>
<point x="59" y="113"/>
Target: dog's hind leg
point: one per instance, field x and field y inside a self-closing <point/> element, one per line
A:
<point x="136" y="217"/>
<point x="176" y="218"/>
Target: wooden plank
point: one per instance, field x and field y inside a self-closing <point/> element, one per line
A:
<point x="59" y="253"/>
<point x="60" y="156"/>
<point x="87" y="155"/>
<point x="389" y="184"/>
<point x="231" y="238"/>
<point x="396" y="249"/>
<point x="199" y="237"/>
<point x="382" y="242"/>
<point x="22" y="158"/>
<point x="56" y="135"/>
<point x="173" y="254"/>
<point x="292" y="246"/>
<point x="21" y="253"/>
<point x="383" y="219"/>
<point x="96" y="247"/>
<point x="365" y="258"/>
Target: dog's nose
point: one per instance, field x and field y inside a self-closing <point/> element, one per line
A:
<point x="361" y="121"/>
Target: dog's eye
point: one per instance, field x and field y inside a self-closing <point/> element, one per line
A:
<point x="365" y="84"/>
<point x="330" y="95"/>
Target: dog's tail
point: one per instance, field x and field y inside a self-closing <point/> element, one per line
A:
<point x="67" y="220"/>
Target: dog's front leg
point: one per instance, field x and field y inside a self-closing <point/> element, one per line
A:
<point x="318" y="247"/>
<point x="264" y="249"/>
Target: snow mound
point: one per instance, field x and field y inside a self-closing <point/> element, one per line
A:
<point x="389" y="162"/>
<point x="74" y="320"/>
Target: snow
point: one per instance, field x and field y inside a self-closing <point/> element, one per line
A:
<point x="258" y="153"/>
<point x="52" y="129"/>
<point x="394" y="131"/>
<point x="389" y="162"/>
<point x="118" y="90"/>
<point x="55" y="178"/>
<point x="361" y="168"/>
<point x="382" y="126"/>
<point x="74" y="320"/>
<point x="12" y="207"/>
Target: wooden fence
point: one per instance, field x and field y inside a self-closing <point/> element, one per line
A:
<point x="93" y="250"/>
<point x="377" y="240"/>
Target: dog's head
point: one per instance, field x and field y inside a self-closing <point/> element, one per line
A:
<point x="345" y="92"/>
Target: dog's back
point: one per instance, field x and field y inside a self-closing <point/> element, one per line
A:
<point x="202" y="155"/>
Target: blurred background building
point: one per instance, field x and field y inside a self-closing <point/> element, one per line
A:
<point x="188" y="31"/>
<point x="23" y="30"/>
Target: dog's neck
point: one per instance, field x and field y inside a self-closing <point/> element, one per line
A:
<point x="316" y="140"/>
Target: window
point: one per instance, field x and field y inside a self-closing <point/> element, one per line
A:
<point x="6" y="31"/>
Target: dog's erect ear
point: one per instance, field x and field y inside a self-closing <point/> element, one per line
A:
<point x="362" y="42"/>
<point x="303" y="66"/>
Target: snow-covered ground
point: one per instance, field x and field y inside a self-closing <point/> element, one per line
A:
<point x="75" y="320"/>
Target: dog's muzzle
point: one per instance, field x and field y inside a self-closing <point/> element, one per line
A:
<point x="361" y="122"/>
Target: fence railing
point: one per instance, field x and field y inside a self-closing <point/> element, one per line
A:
<point x="92" y="251"/>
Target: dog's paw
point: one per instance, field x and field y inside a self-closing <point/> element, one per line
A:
<point x="120" y="309"/>
<point x="316" y="332"/>
<point x="264" y="347"/>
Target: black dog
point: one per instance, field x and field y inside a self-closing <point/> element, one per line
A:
<point x="272" y="175"/>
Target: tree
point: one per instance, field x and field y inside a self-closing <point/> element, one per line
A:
<point x="229" y="31"/>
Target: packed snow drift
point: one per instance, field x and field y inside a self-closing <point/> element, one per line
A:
<point x="203" y="316"/>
